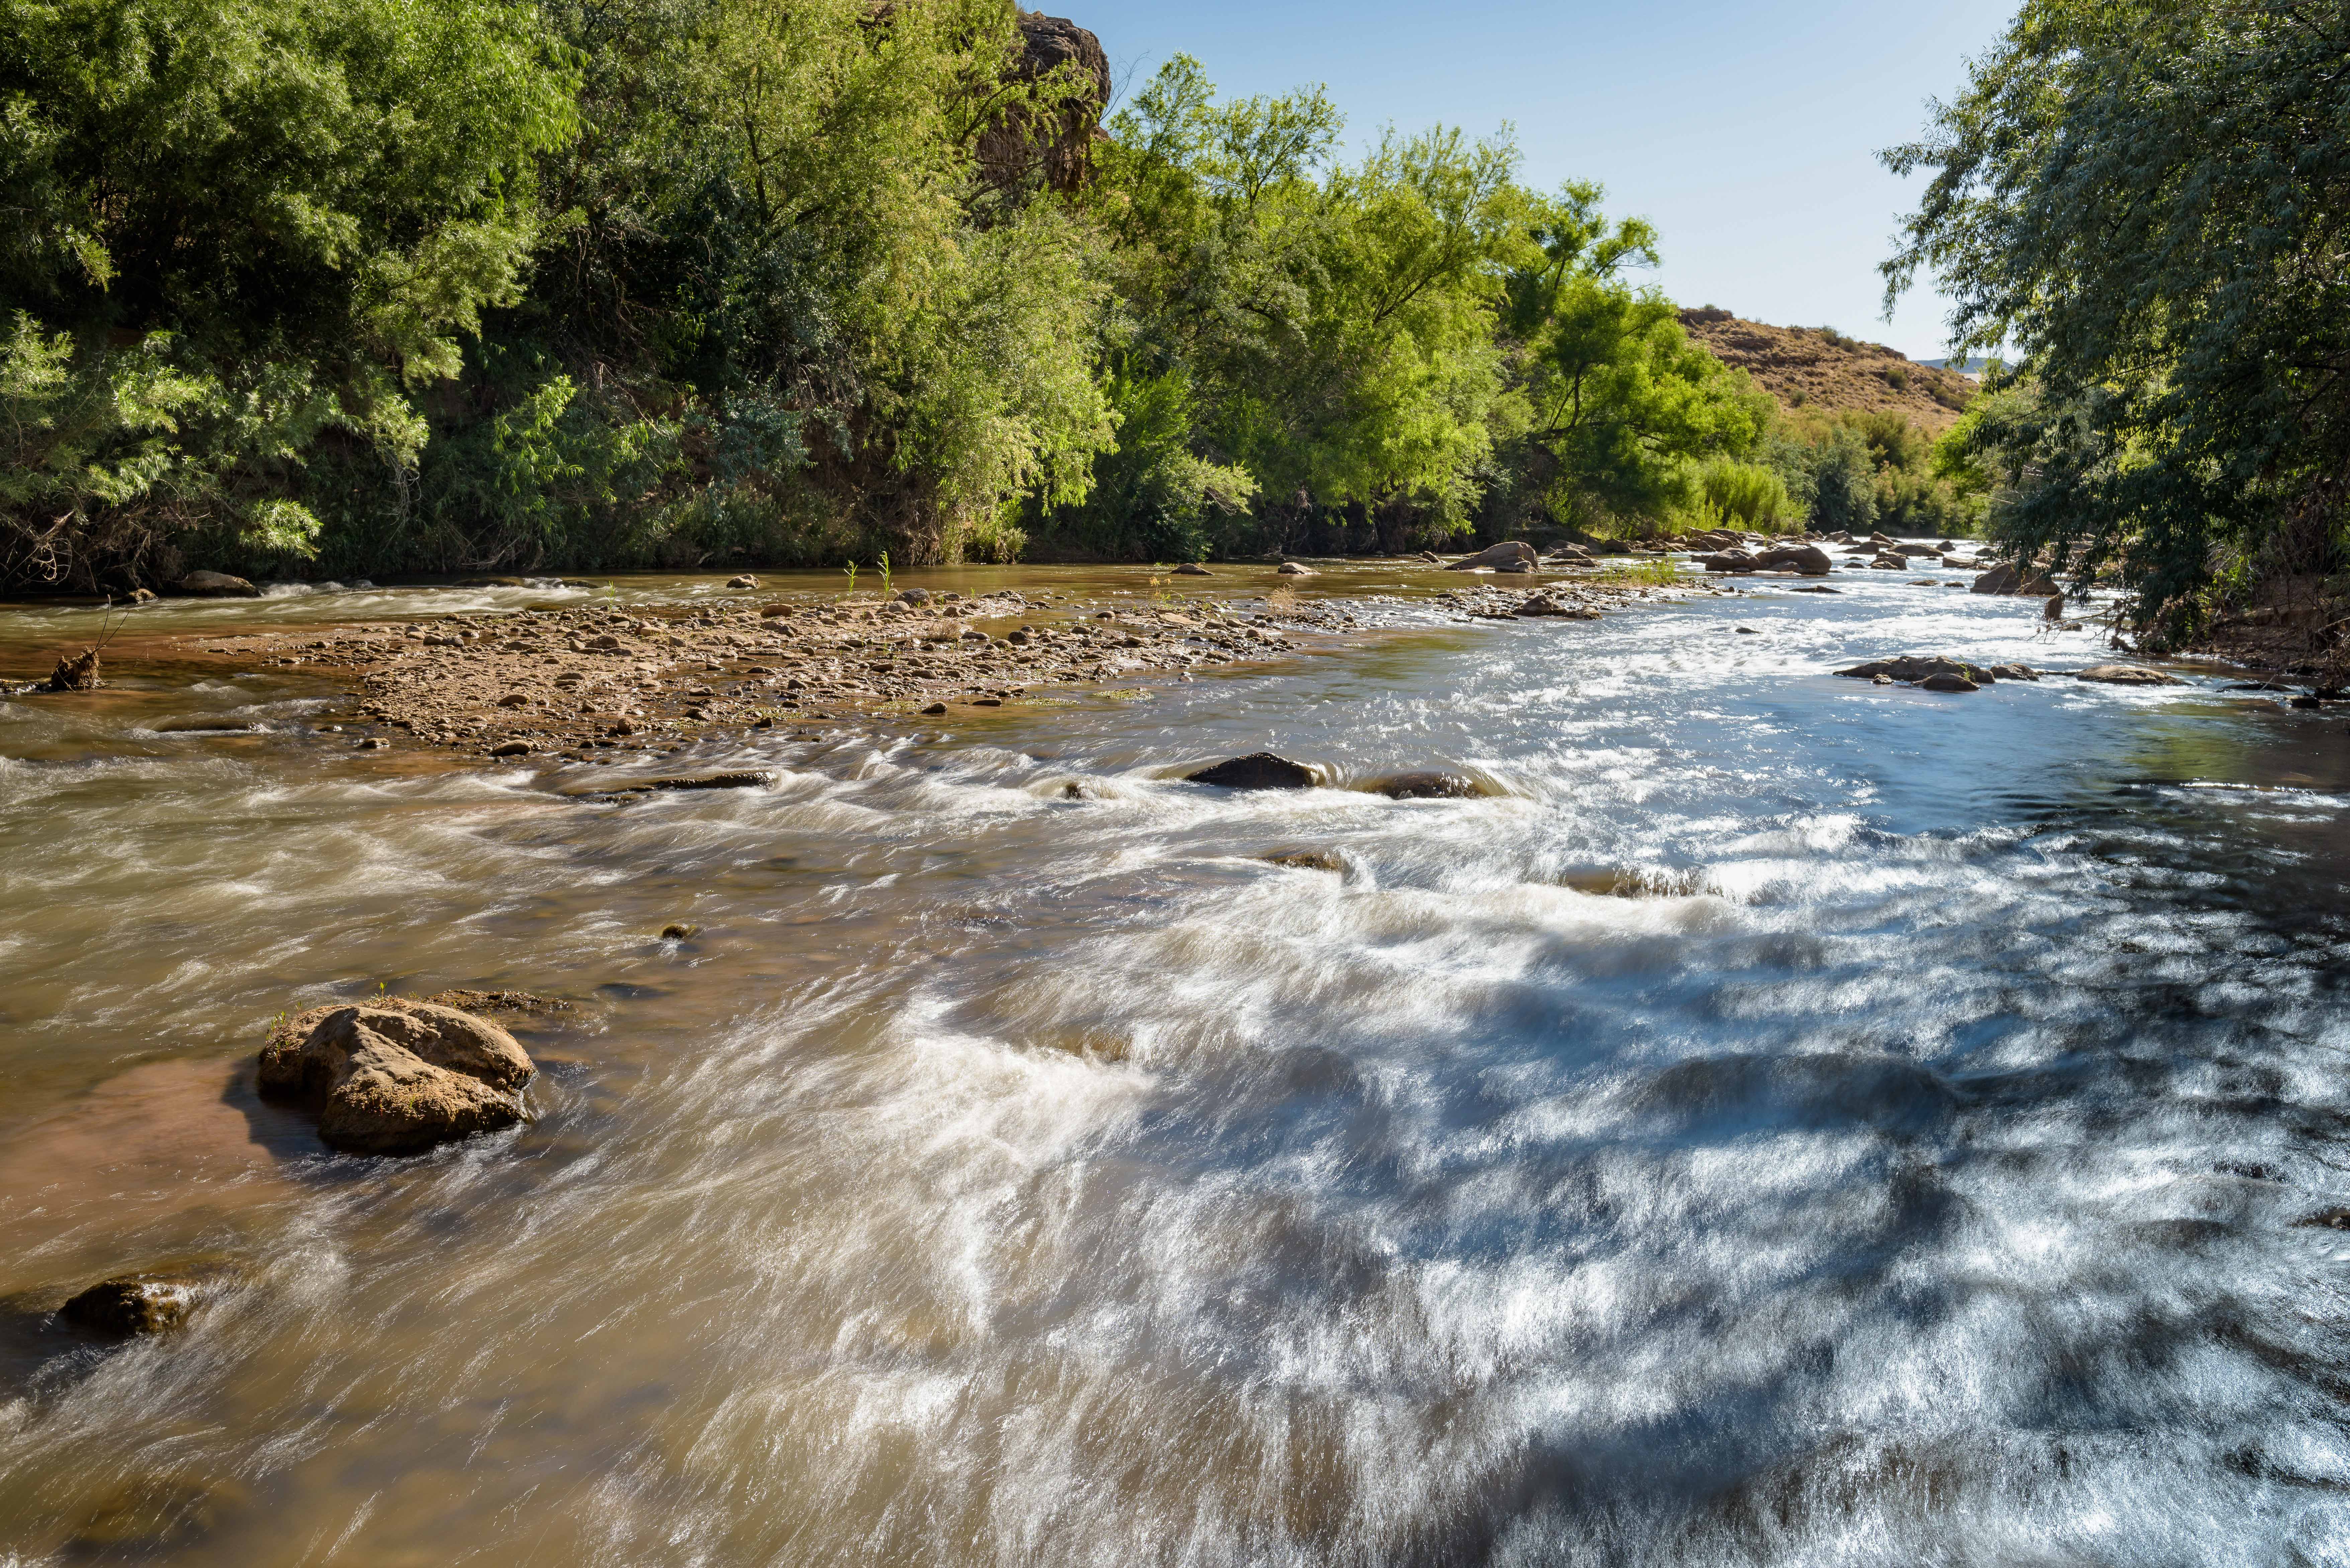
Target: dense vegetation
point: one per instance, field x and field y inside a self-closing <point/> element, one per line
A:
<point x="2149" y="199"/>
<point x="343" y="286"/>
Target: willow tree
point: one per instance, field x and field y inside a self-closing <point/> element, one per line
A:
<point x="2149" y="200"/>
<point x="235" y="228"/>
<point x="1625" y="409"/>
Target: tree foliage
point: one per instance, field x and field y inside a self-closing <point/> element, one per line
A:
<point x="2149" y="200"/>
<point x="431" y="284"/>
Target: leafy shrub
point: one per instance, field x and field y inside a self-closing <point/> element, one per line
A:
<point x="1747" y="495"/>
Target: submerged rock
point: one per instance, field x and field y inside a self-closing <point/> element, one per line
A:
<point x="1192" y="569"/>
<point x="1307" y="860"/>
<point x="130" y="1304"/>
<point x="1429" y="784"/>
<point x="1258" y="770"/>
<point x="2127" y="675"/>
<point x="395" y="1076"/>
<point x="466" y="1001"/>
<point x="1292" y="569"/>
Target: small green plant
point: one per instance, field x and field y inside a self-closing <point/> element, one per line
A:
<point x="1897" y="377"/>
<point x="885" y="575"/>
<point x="851" y="570"/>
<point x="1662" y="571"/>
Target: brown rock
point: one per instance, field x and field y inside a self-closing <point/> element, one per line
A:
<point x="214" y="586"/>
<point x="130" y="1305"/>
<point x="1292" y="569"/>
<point x="1543" y="606"/>
<point x="1307" y="860"/>
<point x="2127" y="675"/>
<point x="1509" y="556"/>
<point x="746" y="581"/>
<point x="1917" y="667"/>
<point x="2008" y="578"/>
<point x="1809" y="559"/>
<point x="1948" y="683"/>
<point x="1055" y="144"/>
<point x="395" y="1076"/>
<point x="1192" y="569"/>
<point x="1431" y="784"/>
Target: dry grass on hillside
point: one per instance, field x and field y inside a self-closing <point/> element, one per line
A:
<point x="1815" y="368"/>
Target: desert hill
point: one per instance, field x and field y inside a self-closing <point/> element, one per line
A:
<point x="1819" y="368"/>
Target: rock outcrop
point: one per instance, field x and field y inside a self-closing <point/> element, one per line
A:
<point x="1055" y="139"/>
<point x="2127" y="675"/>
<point x="395" y="1076"/>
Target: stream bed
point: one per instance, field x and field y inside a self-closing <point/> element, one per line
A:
<point x="1787" y="1120"/>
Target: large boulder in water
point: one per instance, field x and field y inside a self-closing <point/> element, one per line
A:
<point x="394" y="1076"/>
<point x="2127" y="675"/>
<point x="1258" y="770"/>
<point x="1809" y="559"/>
<point x="2009" y="579"/>
<point x="1921" y="668"/>
<point x="214" y="586"/>
<point x="1510" y="556"/>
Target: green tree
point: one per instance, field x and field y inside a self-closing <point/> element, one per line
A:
<point x="254" y="224"/>
<point x="2150" y="200"/>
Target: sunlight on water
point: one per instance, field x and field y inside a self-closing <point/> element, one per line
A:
<point x="1790" y="1121"/>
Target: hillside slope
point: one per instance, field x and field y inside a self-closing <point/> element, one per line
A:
<point x="1814" y="367"/>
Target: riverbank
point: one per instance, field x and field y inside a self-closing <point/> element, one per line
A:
<point x="597" y="679"/>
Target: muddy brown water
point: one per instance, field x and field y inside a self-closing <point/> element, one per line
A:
<point x="1789" y="1121"/>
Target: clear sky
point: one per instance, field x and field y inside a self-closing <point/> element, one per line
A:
<point x="1745" y="132"/>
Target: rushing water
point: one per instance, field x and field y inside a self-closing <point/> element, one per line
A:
<point x="1795" y="1122"/>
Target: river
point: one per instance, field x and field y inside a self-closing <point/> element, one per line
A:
<point x="1792" y="1121"/>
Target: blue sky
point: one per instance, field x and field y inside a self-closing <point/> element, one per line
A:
<point x="1746" y="132"/>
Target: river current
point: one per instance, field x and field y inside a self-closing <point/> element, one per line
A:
<point x="1794" y="1121"/>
